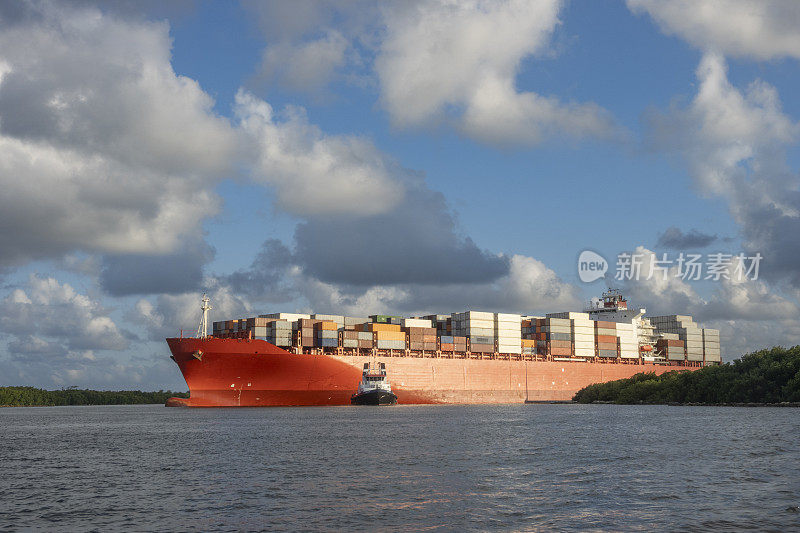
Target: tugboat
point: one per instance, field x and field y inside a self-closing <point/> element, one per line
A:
<point x="374" y="388"/>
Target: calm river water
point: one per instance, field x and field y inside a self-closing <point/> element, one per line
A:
<point x="402" y="468"/>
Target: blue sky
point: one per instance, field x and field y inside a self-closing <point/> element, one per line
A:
<point x="358" y="158"/>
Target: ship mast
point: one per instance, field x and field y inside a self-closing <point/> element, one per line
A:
<point x="205" y="307"/>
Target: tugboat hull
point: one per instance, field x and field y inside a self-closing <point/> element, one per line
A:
<point x="374" y="397"/>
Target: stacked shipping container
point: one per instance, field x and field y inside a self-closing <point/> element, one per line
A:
<point x="477" y="327"/>
<point x="711" y="347"/>
<point x="568" y="334"/>
<point x="508" y="332"/>
<point x="607" y="342"/>
<point x="581" y="332"/>
<point x="557" y="336"/>
<point x="691" y="334"/>
<point x="385" y="336"/>
<point x="628" y="340"/>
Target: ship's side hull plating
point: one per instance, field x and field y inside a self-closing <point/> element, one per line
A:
<point x="240" y="372"/>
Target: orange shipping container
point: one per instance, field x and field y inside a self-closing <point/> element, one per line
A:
<point x="372" y="326"/>
<point x="669" y="342"/>
<point x="604" y="324"/>
<point x="390" y="335"/>
<point x="607" y="339"/>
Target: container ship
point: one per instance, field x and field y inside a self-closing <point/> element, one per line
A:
<point x="472" y="357"/>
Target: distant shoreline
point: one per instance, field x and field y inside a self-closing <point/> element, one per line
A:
<point x="695" y="404"/>
<point x="766" y="378"/>
<point x="35" y="397"/>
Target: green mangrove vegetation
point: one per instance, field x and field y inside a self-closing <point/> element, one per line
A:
<point x="31" y="396"/>
<point x="764" y="377"/>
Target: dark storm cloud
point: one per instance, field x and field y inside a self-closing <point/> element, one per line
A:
<point x="417" y="242"/>
<point x="265" y="280"/>
<point x="773" y="232"/>
<point x="12" y="13"/>
<point x="676" y="239"/>
<point x="174" y="273"/>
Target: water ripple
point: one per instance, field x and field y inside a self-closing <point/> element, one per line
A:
<point x="410" y="468"/>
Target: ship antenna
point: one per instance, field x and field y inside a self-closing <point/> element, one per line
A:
<point x="205" y="307"/>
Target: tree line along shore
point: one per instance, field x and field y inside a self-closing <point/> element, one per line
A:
<point x="769" y="377"/>
<point x="31" y="397"/>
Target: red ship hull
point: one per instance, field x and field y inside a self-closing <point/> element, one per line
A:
<point x="253" y="373"/>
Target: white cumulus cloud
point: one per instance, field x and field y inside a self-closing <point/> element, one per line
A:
<point x="315" y="173"/>
<point x="103" y="147"/>
<point x="760" y="29"/>
<point x="51" y="319"/>
<point x="735" y="144"/>
<point x="458" y="61"/>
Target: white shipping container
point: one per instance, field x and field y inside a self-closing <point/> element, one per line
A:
<point x="557" y="329"/>
<point x="509" y="349"/>
<point x="485" y="332"/>
<point x="390" y="345"/>
<point x="510" y="329"/>
<point x="507" y="317"/>
<point x="568" y="315"/>
<point x="417" y="323"/>
<point x="287" y="316"/>
<point x="329" y="318"/>
<point x="487" y="324"/>
<point x="474" y="315"/>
